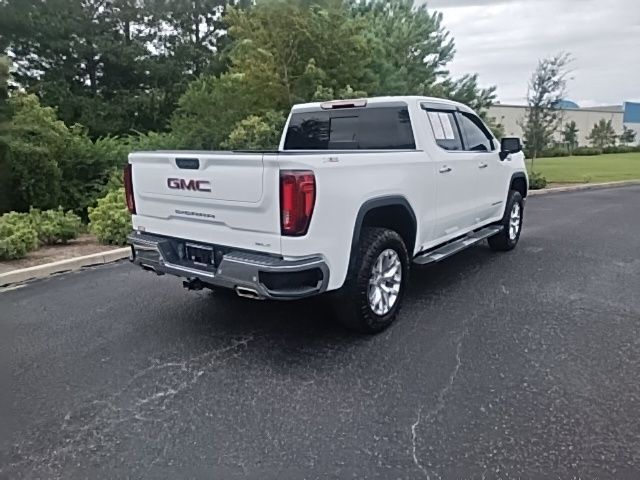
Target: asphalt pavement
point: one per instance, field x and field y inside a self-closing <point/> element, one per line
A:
<point x="502" y="365"/>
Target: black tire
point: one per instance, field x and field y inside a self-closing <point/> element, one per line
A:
<point x="503" y="241"/>
<point x="351" y="302"/>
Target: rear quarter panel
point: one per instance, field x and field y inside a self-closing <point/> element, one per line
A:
<point x="344" y="182"/>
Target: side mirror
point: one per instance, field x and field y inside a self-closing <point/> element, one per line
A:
<point x="509" y="145"/>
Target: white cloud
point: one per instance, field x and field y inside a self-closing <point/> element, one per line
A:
<point x="502" y="40"/>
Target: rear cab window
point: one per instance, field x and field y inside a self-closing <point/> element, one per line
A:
<point x="372" y="127"/>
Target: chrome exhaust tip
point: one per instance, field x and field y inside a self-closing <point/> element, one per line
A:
<point x="151" y="268"/>
<point x="248" y="293"/>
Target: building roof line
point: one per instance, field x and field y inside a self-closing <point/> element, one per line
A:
<point x="602" y="109"/>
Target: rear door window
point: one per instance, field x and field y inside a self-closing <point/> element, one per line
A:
<point x="445" y="129"/>
<point x="368" y="128"/>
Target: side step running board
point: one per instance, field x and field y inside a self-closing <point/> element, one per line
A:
<point x="449" y="249"/>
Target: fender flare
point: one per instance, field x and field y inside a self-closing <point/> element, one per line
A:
<point x="521" y="175"/>
<point x="371" y="204"/>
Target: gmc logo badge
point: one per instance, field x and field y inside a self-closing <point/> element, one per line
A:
<point x="193" y="185"/>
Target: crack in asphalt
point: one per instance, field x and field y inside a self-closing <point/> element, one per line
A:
<point x="414" y="439"/>
<point x="440" y="403"/>
<point x="93" y="433"/>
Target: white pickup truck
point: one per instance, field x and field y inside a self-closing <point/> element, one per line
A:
<point x="357" y="191"/>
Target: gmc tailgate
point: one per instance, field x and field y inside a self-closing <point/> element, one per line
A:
<point x="221" y="198"/>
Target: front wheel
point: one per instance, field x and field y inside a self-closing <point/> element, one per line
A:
<point x="372" y="294"/>
<point x="511" y="222"/>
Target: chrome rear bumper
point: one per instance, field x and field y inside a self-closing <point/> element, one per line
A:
<point x="245" y="272"/>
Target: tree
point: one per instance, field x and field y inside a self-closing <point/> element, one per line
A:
<point x="36" y="140"/>
<point x="410" y="51"/>
<point x="466" y="90"/>
<point x="256" y="133"/>
<point x="291" y="51"/>
<point x="570" y="136"/>
<point x="4" y="84"/>
<point x="602" y="134"/>
<point x="628" y="136"/>
<point x="546" y="88"/>
<point x="212" y="105"/>
<point x="496" y="127"/>
<point x="112" y="65"/>
<point x="286" y="49"/>
<point x="283" y="52"/>
<point x="409" y="46"/>
<point x="193" y="34"/>
<point x="5" y="181"/>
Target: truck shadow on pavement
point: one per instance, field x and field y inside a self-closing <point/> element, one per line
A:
<point x="313" y="320"/>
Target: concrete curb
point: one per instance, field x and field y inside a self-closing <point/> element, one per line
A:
<point x="584" y="186"/>
<point x="70" y="264"/>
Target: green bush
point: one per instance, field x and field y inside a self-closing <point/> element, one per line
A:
<point x="35" y="143"/>
<point x="110" y="220"/>
<point x="537" y="181"/>
<point x="17" y="235"/>
<point x="55" y="226"/>
<point x="22" y="232"/>
<point x="620" y="149"/>
<point x="587" y="151"/>
<point x="554" y="152"/>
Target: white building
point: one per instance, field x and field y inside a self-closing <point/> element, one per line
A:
<point x="511" y="116"/>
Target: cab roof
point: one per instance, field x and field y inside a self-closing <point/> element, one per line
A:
<point x="369" y="101"/>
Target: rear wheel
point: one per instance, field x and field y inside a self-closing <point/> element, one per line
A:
<point x="372" y="294"/>
<point x="511" y="222"/>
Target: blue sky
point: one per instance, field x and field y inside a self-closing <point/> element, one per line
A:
<point x="503" y="39"/>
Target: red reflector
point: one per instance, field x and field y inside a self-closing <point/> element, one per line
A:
<point x="128" y="189"/>
<point x="297" y="199"/>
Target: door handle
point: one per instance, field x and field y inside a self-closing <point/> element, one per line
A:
<point x="444" y="169"/>
<point x="483" y="165"/>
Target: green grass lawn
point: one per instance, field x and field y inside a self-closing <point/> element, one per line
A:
<point x="585" y="169"/>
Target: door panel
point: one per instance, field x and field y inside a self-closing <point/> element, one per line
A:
<point x="455" y="177"/>
<point x="482" y="149"/>
<point x="490" y="183"/>
<point x="456" y="186"/>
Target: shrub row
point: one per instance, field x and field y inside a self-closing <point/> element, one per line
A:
<point x="553" y="152"/>
<point x="621" y="149"/>
<point x="22" y="232"/>
<point x="587" y="151"/>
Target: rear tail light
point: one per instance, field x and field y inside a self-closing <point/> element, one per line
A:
<point x="128" y="189"/>
<point x="297" y="198"/>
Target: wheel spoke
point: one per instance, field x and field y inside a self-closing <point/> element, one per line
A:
<point x="385" y="301"/>
<point x="379" y="265"/>
<point x="391" y="271"/>
<point x="385" y="281"/>
<point x="376" y="295"/>
<point x="514" y="221"/>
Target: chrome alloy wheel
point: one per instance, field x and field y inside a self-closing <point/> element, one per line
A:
<point x="385" y="282"/>
<point x="514" y="221"/>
